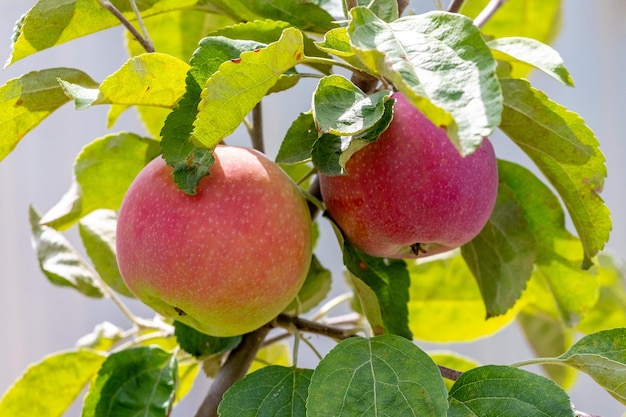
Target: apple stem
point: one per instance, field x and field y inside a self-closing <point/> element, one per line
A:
<point x="145" y="42"/>
<point x="234" y="368"/>
<point x="490" y="9"/>
<point x="455" y="6"/>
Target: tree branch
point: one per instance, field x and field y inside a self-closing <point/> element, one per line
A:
<point x="304" y="325"/>
<point x="455" y="6"/>
<point x="233" y="370"/>
<point x="490" y="9"/>
<point x="449" y="373"/>
<point x="145" y="43"/>
<point x="256" y="131"/>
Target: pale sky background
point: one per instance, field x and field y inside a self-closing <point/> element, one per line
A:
<point x="39" y="319"/>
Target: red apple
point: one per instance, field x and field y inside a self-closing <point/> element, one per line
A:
<point x="224" y="261"/>
<point x="410" y="193"/>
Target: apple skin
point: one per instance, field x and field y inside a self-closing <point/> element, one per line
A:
<point x="225" y="261"/>
<point x="410" y="193"/>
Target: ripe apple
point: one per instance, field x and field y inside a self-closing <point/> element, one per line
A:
<point x="410" y="193"/>
<point x="224" y="261"/>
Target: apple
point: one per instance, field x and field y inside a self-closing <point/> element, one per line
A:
<point x="224" y="261"/>
<point x="410" y="193"/>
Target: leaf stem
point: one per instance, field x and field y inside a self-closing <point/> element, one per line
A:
<point x="234" y="368"/>
<point x="490" y="9"/>
<point x="328" y="61"/>
<point x="326" y="308"/>
<point x="538" y="361"/>
<point x="455" y="6"/>
<point x="145" y="43"/>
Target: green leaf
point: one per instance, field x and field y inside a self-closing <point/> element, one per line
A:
<point x="27" y="100"/>
<point x="385" y="375"/>
<point x="59" y="261"/>
<point x="341" y="108"/>
<point x="558" y="275"/>
<point x="548" y="337"/>
<point x="57" y="381"/>
<point x="202" y="345"/>
<point x="502" y="391"/>
<point x="298" y="141"/>
<point x="537" y="19"/>
<point x="308" y="16"/>
<point x="389" y="280"/>
<point x="386" y="10"/>
<point x="610" y="309"/>
<point x="602" y="356"/>
<point x="337" y="42"/>
<point x="502" y="256"/>
<point x="452" y="80"/>
<point x="191" y="163"/>
<point x="326" y="153"/>
<point x="315" y="289"/>
<point x="531" y="52"/>
<point x="568" y="154"/>
<point x="138" y="381"/>
<point x="103" y="171"/>
<point x="53" y="22"/>
<point x="446" y="305"/>
<point x="272" y="390"/>
<point x="97" y="231"/>
<point x="239" y="84"/>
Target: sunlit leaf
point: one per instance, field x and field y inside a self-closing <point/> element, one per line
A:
<point x="57" y="381"/>
<point x="440" y="62"/>
<point x="27" y="100"/>
<point x="384" y="375"/>
<point x="53" y="22"/>
<point x="239" y="84"/>
<point x="274" y="354"/>
<point x="59" y="261"/>
<point x="568" y="154"/>
<point x="190" y="162"/>
<point x="531" y="52"/>
<point x="103" y="172"/>
<point x="103" y="337"/>
<point x="446" y="304"/>
<point x="299" y="139"/>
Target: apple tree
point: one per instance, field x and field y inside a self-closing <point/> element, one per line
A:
<point x="441" y="240"/>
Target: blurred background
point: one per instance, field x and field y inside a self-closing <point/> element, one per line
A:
<point x="38" y="318"/>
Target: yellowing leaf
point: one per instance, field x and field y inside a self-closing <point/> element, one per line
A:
<point x="49" y="387"/>
<point x="53" y="22"/>
<point x="27" y="100"/>
<point x="239" y="84"/>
